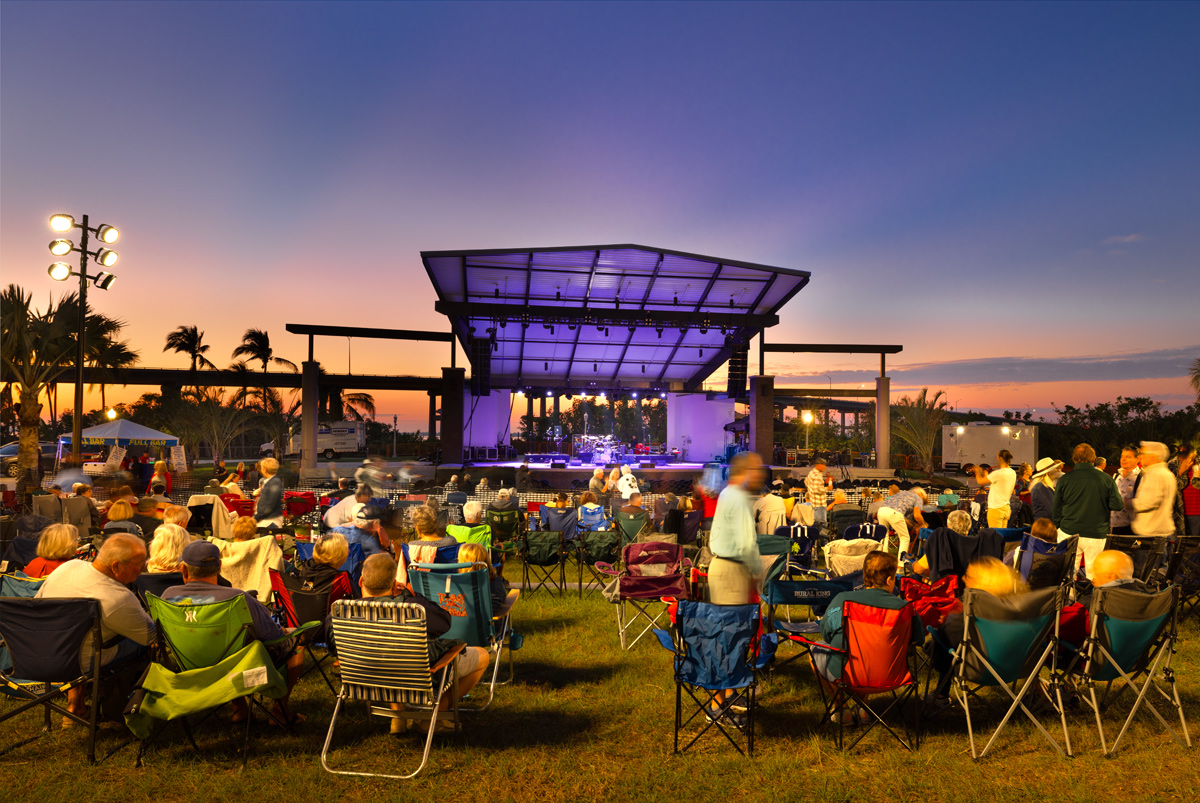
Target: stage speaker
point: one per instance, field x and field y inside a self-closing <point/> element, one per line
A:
<point x="480" y="354"/>
<point x="611" y="465"/>
<point x="558" y="465"/>
<point x="646" y="465"/>
<point x="575" y="463"/>
<point x="738" y="360"/>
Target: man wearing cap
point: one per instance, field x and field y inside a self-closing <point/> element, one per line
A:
<point x="342" y="513"/>
<point x="201" y="566"/>
<point x="1154" y="503"/>
<point x="815" y="490"/>
<point x="367" y="531"/>
<point x="1121" y="521"/>
<point x="1083" y="500"/>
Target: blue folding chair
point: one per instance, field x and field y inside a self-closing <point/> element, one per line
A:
<point x="715" y="648"/>
<point x="1043" y="564"/>
<point x="352" y="565"/>
<point x="563" y="520"/>
<point x="593" y="519"/>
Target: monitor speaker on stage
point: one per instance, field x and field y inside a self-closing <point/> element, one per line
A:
<point x="558" y="465"/>
<point x="647" y="465"/>
<point x="480" y="353"/>
<point x="738" y="361"/>
<point x="611" y="465"/>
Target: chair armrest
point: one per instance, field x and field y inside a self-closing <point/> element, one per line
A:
<point x="818" y="645"/>
<point x="665" y="641"/>
<point x="302" y="629"/>
<point x="447" y="658"/>
<point x="606" y="568"/>
<point x="509" y="601"/>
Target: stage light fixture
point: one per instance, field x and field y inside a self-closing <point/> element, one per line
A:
<point x="662" y="395"/>
<point x="549" y="393"/>
<point x="701" y="352"/>
<point x="634" y="394"/>
<point x="660" y="331"/>
<point x="497" y="294"/>
<point x="61" y="247"/>
<point x="595" y="367"/>
<point x="61" y="222"/>
<point x="643" y="368"/>
<point x="545" y="366"/>
<point x="602" y="394"/>
<point x="60" y="271"/>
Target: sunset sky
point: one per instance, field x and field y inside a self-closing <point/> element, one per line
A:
<point x="1011" y="191"/>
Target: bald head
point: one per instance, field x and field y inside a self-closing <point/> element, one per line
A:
<point x="1111" y="565"/>
<point x="120" y="548"/>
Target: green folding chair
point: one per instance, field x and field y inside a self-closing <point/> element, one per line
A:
<point x="631" y="526"/>
<point x="1132" y="635"/>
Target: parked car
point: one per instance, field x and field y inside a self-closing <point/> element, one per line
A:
<point x="8" y="457"/>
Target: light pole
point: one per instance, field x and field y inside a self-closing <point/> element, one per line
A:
<point x="60" y="272"/>
<point x="807" y="417"/>
<point x="395" y="421"/>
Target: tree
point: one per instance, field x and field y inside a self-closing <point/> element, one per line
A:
<point x="189" y="340"/>
<point x="38" y="347"/>
<point x="918" y="423"/>
<point x="108" y="356"/>
<point x="256" y="345"/>
<point x="358" y="405"/>
<point x="220" y="422"/>
<point x="275" y="416"/>
<point x="1194" y="371"/>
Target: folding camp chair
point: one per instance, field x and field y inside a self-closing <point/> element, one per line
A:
<point x="384" y="651"/>
<point x="454" y="506"/>
<point x="564" y="520"/>
<point x="841" y="520"/>
<point x="43" y="638"/>
<point x="715" y="648"/>
<point x="1043" y="565"/>
<point x="207" y="656"/>
<point x="294" y="606"/>
<point x="593" y="519"/>
<point x="796" y="588"/>
<point x="873" y="662"/>
<point x="543" y="554"/>
<point x="19" y="584"/>
<point x="1004" y="640"/>
<point x="948" y="552"/>
<point x="468" y="599"/>
<point x="631" y="525"/>
<point x="601" y="546"/>
<point x="1183" y="570"/>
<point x="505" y="526"/>
<point x="876" y="532"/>
<point x="1146" y="552"/>
<point x="1132" y="636"/>
<point x="651" y="571"/>
<point x="803" y="538"/>
<point x="352" y="565"/>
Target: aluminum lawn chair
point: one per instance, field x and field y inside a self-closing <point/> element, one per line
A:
<point x="383" y="648"/>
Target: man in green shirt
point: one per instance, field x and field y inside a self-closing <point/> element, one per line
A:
<point x="1083" y="502"/>
<point x="473" y="531"/>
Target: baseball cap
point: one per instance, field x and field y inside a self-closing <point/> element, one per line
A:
<point x="367" y="514"/>
<point x="202" y="555"/>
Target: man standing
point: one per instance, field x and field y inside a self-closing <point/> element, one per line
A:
<point x="1154" y="504"/>
<point x="733" y="541"/>
<point x="1126" y="478"/>
<point x="1002" y="481"/>
<point x="893" y="514"/>
<point x="596" y="483"/>
<point x="1083" y="500"/>
<point x="816" y="485"/>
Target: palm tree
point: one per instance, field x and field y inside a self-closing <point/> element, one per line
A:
<point x="1195" y="374"/>
<point x="108" y="357"/>
<point x="918" y="423"/>
<point x="359" y="406"/>
<point x="189" y="340"/>
<point x="240" y="368"/>
<point x="256" y="345"/>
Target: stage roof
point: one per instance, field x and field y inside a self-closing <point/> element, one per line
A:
<point x="605" y="316"/>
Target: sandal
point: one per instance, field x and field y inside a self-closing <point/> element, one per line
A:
<point x="275" y="721"/>
<point x="68" y="723"/>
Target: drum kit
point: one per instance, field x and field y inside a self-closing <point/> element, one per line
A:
<point x="598" y="449"/>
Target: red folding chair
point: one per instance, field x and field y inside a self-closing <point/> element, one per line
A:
<point x="298" y="606"/>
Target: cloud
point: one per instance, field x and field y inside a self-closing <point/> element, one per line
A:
<point x="1159" y="364"/>
<point x="1122" y="239"/>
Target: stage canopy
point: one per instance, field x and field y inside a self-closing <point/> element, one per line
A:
<point x="123" y="432"/>
<point x="581" y="318"/>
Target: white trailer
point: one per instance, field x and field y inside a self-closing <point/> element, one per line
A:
<point x="333" y="439"/>
<point x="979" y="442"/>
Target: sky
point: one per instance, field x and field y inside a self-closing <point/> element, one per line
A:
<point x="1011" y="191"/>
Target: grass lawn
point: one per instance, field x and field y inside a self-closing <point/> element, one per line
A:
<point x="585" y="721"/>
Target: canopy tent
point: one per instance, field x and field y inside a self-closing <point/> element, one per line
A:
<point x="122" y="432"/>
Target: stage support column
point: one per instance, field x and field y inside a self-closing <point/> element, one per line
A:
<point x="843" y="423"/>
<point x="556" y="409"/>
<point x="883" y="423"/>
<point x="762" y="417"/>
<point x="529" y="412"/>
<point x="309" y="395"/>
<point x="432" y="415"/>
<point x="453" y="382"/>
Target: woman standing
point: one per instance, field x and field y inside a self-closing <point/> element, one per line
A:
<point x="160" y="477"/>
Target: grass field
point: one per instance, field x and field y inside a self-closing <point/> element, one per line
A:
<point x="585" y="721"/>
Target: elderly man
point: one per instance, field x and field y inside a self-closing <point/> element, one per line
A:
<point x="379" y="583"/>
<point x="473" y="531"/>
<point x="1112" y="568"/>
<point x="147" y="516"/>
<point x="367" y="531"/>
<point x="895" y="510"/>
<point x="1002" y="481"/>
<point x="633" y="505"/>
<point x="596" y="483"/>
<point x="816" y="485"/>
<point x="628" y="483"/>
<point x="770" y="512"/>
<point x="119" y="562"/>
<point x="342" y="513"/>
<point x="506" y="499"/>
<point x="1083" y="500"/>
<point x="201" y="567"/>
<point x="1154" y="503"/>
<point x="1121" y="521"/>
<point x="268" y="511"/>
<point x="343" y="489"/>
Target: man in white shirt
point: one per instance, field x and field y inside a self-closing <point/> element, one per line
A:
<point x="1126" y="478"/>
<point x="119" y="562"/>
<point x="342" y="514"/>
<point x="1003" y="481"/>
<point x="1154" y="503"/>
<point x="628" y="483"/>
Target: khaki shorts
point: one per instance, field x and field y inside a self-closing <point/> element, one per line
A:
<point x="468" y="660"/>
<point x="729" y="582"/>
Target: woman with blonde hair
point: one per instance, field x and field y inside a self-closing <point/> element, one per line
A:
<point x="476" y="554"/>
<point x="56" y="545"/>
<point x="160" y="477"/>
<point x="329" y="553"/>
<point x="120" y="514"/>
<point x="166" y="550"/>
<point x="245" y="528"/>
<point x="231" y="485"/>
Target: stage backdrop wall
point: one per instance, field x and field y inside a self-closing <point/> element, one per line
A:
<point x="695" y="425"/>
<point x="487" y="425"/>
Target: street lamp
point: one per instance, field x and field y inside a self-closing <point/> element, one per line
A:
<point x="60" y="272"/>
<point x="112" y="414"/>
<point x="807" y="418"/>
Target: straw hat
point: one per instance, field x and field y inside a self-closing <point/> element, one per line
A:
<point x="1045" y="466"/>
